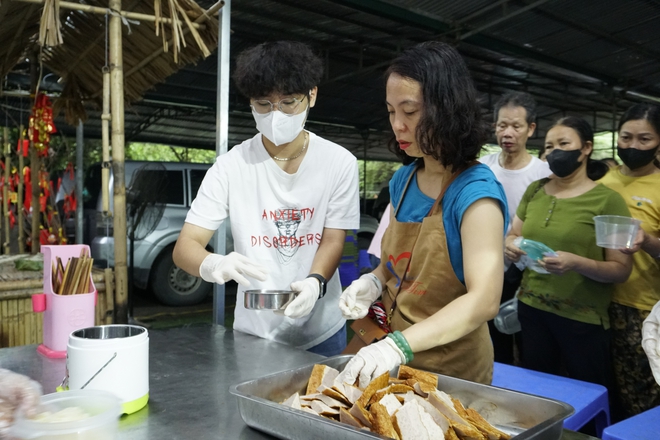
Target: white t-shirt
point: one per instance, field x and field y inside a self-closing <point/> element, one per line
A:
<point x="515" y="182"/>
<point x="277" y="219"/>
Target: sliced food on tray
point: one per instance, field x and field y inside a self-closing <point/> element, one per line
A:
<point x="408" y="406"/>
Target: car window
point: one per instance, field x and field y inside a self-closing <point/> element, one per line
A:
<point x="170" y="185"/>
<point x="92" y="186"/>
<point x="173" y="191"/>
<point x="196" y="177"/>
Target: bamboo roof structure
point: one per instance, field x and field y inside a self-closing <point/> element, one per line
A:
<point x="150" y="53"/>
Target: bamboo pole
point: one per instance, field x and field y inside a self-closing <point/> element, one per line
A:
<point x="109" y="289"/>
<point x="19" y="201"/>
<point x="5" y="190"/>
<point x="102" y="11"/>
<point x="119" y="190"/>
<point x="105" y="140"/>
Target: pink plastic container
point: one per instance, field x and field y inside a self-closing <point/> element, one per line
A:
<point x="63" y="314"/>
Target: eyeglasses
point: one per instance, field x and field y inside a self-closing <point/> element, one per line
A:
<point x="288" y="106"/>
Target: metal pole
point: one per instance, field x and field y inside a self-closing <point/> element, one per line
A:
<point x="221" y="135"/>
<point x="79" y="182"/>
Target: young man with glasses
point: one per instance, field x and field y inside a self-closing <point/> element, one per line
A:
<point x="291" y="196"/>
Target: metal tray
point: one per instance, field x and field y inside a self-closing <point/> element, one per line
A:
<point x="524" y="416"/>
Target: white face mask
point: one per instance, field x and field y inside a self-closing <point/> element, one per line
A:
<point x="278" y="127"/>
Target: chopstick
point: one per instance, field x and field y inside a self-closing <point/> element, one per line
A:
<point x="75" y="278"/>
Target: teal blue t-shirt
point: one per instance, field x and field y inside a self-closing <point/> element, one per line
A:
<point x="477" y="182"/>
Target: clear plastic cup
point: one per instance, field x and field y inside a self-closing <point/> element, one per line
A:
<point x="102" y="408"/>
<point x="616" y="231"/>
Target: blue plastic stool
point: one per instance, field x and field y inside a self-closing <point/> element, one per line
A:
<point x="348" y="266"/>
<point x="644" y="426"/>
<point x="363" y="260"/>
<point x="348" y="272"/>
<point x="588" y="399"/>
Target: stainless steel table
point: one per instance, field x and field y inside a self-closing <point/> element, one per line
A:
<point x="191" y="370"/>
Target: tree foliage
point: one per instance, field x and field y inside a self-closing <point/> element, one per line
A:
<point x="378" y="175"/>
<point x="168" y="153"/>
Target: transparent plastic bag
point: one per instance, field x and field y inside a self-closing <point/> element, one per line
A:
<point x="506" y="320"/>
<point x="535" y="251"/>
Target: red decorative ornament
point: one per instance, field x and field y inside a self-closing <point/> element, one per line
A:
<point x="22" y="147"/>
<point x="41" y="124"/>
<point x="27" y="182"/>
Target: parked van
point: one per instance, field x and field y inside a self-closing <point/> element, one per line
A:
<point x="154" y="268"/>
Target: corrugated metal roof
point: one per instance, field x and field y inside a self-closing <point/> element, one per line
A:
<point x="576" y="57"/>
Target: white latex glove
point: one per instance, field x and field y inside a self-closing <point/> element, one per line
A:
<point x="372" y="361"/>
<point x="308" y="293"/>
<point x="17" y="393"/>
<point x="355" y="301"/>
<point x="234" y="266"/>
<point x="651" y="340"/>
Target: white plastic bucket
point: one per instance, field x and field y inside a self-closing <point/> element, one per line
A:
<point x="102" y="407"/>
<point x="616" y="231"/>
<point x="113" y="358"/>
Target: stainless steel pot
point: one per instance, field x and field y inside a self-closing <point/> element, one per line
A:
<point x="268" y="299"/>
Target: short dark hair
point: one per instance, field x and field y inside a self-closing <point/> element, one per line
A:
<point x="644" y="110"/>
<point x="285" y="67"/>
<point x="451" y="128"/>
<point x="581" y="127"/>
<point x="517" y="99"/>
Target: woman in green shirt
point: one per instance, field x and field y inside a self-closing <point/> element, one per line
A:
<point x="563" y="313"/>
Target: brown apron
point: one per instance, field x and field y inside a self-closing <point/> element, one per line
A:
<point x="417" y="254"/>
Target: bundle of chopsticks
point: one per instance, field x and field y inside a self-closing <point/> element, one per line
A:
<point x="77" y="276"/>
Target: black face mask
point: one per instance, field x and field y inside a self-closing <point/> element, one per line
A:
<point x="634" y="158"/>
<point x="564" y="162"/>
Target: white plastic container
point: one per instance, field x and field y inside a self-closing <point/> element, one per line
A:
<point x="102" y="407"/>
<point x="616" y="231"/>
<point x="113" y="358"/>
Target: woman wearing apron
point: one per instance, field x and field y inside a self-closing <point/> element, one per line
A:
<point x="442" y="262"/>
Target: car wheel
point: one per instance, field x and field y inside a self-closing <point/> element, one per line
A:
<point x="175" y="287"/>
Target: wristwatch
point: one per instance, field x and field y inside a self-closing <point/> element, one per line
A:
<point x="322" y="283"/>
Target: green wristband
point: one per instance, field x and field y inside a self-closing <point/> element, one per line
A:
<point x="403" y="345"/>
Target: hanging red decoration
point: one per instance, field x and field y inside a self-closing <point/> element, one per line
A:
<point x="41" y="124"/>
<point x="27" y="182"/>
<point x="22" y="147"/>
